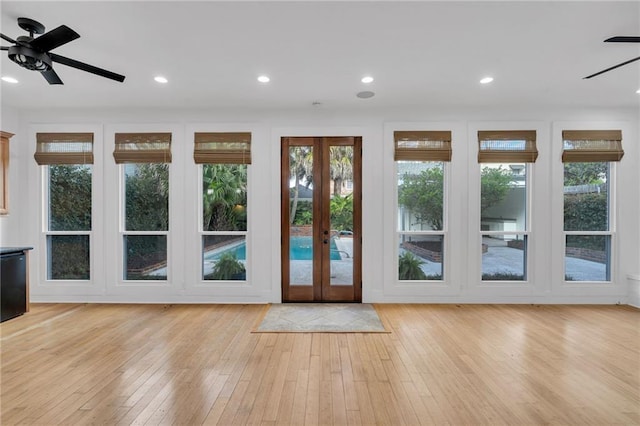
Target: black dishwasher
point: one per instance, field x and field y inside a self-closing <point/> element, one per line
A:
<point x="13" y="285"/>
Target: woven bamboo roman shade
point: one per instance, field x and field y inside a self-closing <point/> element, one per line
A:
<point x="585" y="146"/>
<point x="218" y="148"/>
<point x="507" y="146"/>
<point x="64" y="148"/>
<point x="142" y="148"/>
<point x="422" y="145"/>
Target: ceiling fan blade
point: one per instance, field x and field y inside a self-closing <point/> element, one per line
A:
<point x="623" y="39"/>
<point x="4" y="48"/>
<point x="54" y="38"/>
<point x="86" y="67"/>
<point x="612" y="68"/>
<point x="51" y="77"/>
<point x="9" y="39"/>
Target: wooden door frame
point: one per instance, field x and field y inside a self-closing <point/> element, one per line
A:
<point x="317" y="292"/>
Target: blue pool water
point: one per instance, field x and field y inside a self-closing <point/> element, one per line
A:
<point x="299" y="249"/>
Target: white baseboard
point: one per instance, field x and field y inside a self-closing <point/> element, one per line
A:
<point x="633" y="292"/>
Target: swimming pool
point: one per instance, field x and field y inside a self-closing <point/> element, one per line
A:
<point x="300" y="249"/>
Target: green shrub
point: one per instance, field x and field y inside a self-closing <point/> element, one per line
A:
<point x="228" y="267"/>
<point x="409" y="267"/>
<point x="585" y="212"/>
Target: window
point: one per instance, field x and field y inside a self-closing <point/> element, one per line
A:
<point x="144" y="160"/>
<point x="68" y="158"/>
<point x="223" y="160"/>
<point x="587" y="158"/>
<point x="420" y="167"/>
<point x="504" y="158"/>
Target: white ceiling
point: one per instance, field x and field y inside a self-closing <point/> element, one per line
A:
<point x="426" y="54"/>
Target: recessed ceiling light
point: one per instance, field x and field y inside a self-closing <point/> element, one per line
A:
<point x="367" y="79"/>
<point x="486" y="80"/>
<point x="9" y="79"/>
<point x="365" y="95"/>
<point x="161" y="79"/>
<point x="638" y="91"/>
<point x="263" y="79"/>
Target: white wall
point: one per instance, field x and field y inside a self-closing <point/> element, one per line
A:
<point x="463" y="260"/>
<point x="12" y="225"/>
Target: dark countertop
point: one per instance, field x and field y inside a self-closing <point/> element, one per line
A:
<point x="12" y="250"/>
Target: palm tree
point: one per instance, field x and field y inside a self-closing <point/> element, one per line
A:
<point x="340" y="166"/>
<point x="300" y="170"/>
<point x="224" y="196"/>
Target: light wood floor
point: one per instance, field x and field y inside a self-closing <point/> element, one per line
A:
<point x="442" y="364"/>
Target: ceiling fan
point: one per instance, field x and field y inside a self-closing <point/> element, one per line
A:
<point x="35" y="53"/>
<point x="618" y="39"/>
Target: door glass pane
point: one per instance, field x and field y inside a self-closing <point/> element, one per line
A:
<point x="145" y="257"/>
<point x="341" y="215"/>
<point x="587" y="258"/>
<point x="68" y="257"/>
<point x="504" y="257"/>
<point x="503" y="197"/>
<point x="301" y="215"/>
<point x="224" y="257"/>
<point x="420" y="257"/>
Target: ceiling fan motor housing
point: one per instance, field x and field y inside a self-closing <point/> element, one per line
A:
<point x="29" y="58"/>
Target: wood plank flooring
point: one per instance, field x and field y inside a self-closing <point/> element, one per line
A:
<point x="200" y="364"/>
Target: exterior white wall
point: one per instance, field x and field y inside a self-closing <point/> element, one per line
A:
<point x="510" y="208"/>
<point x="462" y="258"/>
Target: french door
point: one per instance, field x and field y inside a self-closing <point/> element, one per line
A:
<point x="321" y="219"/>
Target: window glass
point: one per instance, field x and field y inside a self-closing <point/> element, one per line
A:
<point x="586" y="197"/>
<point x="146" y="209"/>
<point x="224" y="197"/>
<point x="421" y="217"/>
<point x="224" y="257"/>
<point x="587" y="257"/>
<point x="145" y="257"/>
<point x="224" y="222"/>
<point x="147" y="197"/>
<point x="420" y="257"/>
<point x="503" y="197"/>
<point x="420" y="195"/>
<point x="68" y="257"/>
<point x="504" y="257"/>
<point x="70" y="197"/>
<point x="503" y="221"/>
<point x="69" y="212"/>
<point x="586" y="209"/>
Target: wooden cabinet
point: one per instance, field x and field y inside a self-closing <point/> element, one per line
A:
<point x="4" y="171"/>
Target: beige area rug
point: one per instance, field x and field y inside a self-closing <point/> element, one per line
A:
<point x="321" y="318"/>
